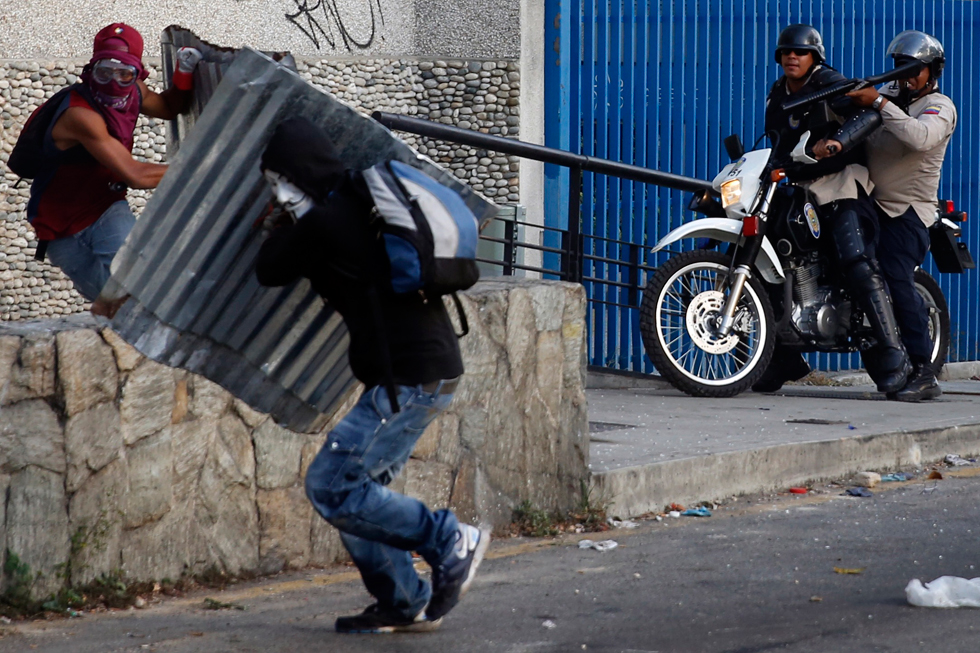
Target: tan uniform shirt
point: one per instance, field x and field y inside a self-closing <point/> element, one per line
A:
<point x="841" y="185"/>
<point x="906" y="155"/>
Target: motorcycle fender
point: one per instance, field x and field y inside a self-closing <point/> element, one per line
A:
<point x="730" y="231"/>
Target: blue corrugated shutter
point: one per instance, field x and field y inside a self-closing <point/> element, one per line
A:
<point x="659" y="84"/>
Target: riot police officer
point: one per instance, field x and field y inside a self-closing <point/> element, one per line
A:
<point x="905" y="157"/>
<point x="841" y="186"/>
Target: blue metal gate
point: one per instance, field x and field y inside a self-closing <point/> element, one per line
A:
<point x="660" y="83"/>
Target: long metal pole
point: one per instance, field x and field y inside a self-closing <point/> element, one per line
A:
<point x="538" y="152"/>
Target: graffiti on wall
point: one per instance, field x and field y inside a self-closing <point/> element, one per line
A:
<point x="326" y="25"/>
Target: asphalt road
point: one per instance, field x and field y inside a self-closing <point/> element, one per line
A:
<point x="757" y="576"/>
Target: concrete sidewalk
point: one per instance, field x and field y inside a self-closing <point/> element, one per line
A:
<point x="654" y="445"/>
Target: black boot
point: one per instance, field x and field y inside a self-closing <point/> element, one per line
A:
<point x="892" y="362"/>
<point x="785" y="366"/>
<point x="922" y="386"/>
<point x="892" y="366"/>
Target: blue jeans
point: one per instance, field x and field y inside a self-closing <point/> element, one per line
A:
<point x="346" y="483"/>
<point x="85" y="257"/>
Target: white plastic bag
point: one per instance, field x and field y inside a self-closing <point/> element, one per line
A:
<point x="944" y="592"/>
<point x="605" y="545"/>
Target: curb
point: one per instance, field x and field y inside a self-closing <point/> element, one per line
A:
<point x="950" y="372"/>
<point x="598" y="378"/>
<point x="606" y="379"/>
<point x="634" y="491"/>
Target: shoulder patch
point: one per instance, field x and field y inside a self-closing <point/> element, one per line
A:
<point x="932" y="110"/>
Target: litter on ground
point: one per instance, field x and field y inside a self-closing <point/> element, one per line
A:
<point x="896" y="477"/>
<point x="700" y="511"/>
<point x="955" y="460"/>
<point x="605" y="545"/>
<point x="944" y="592"/>
<point x="624" y="523"/>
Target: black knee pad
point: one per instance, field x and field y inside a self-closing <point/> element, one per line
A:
<point x="848" y="236"/>
<point x="860" y="272"/>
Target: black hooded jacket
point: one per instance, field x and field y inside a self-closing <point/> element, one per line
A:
<point x="822" y="120"/>
<point x="336" y="248"/>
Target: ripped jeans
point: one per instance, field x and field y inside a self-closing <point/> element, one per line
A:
<point x="347" y="484"/>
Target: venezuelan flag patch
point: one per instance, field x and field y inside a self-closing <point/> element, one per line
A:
<point x="932" y="111"/>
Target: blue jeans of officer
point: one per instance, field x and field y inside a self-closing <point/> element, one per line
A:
<point x="347" y="485"/>
<point x="85" y="257"/>
<point x="902" y="247"/>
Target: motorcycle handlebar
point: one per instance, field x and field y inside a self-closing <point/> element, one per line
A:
<point x="910" y="69"/>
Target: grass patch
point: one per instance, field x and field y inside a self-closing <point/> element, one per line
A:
<point x="111" y="591"/>
<point x="589" y="516"/>
<point x="106" y="592"/>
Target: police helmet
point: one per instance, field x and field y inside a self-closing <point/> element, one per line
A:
<point x="801" y="37"/>
<point x="913" y="44"/>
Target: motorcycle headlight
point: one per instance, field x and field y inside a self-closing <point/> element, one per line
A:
<point x="731" y="192"/>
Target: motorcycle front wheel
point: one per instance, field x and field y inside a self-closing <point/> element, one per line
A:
<point x="928" y="288"/>
<point x="678" y="322"/>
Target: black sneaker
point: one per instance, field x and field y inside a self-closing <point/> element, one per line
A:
<point x="376" y="619"/>
<point x="452" y="578"/>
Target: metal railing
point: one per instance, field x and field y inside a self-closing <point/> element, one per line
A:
<point x="575" y="244"/>
<point x="573" y="252"/>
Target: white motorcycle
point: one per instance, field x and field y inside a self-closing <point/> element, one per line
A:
<point x="707" y="318"/>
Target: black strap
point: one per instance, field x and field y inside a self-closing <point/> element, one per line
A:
<point x="379" y="327"/>
<point x="462" y="315"/>
<point x="41" y="250"/>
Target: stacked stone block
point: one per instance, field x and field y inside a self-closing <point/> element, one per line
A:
<point x="111" y="462"/>
<point x="478" y="95"/>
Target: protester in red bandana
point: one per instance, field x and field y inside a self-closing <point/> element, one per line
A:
<point x="78" y="204"/>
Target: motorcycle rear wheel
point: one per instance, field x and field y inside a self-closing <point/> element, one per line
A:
<point x="928" y="288"/>
<point x="678" y="314"/>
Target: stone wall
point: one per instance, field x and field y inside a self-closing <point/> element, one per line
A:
<point x="478" y="95"/>
<point x="390" y="28"/>
<point x="110" y="461"/>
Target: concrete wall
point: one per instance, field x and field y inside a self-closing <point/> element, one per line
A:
<point x="47" y="29"/>
<point x="533" y="61"/>
<point x="110" y="461"/>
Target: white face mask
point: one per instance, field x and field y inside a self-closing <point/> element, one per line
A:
<point x="288" y="195"/>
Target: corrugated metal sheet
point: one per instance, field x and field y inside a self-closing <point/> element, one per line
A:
<point x="659" y="84"/>
<point x="188" y="264"/>
<point x="207" y="75"/>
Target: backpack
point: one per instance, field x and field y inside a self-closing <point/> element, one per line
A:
<point x="430" y="237"/>
<point x="27" y="159"/>
<point x="429" y="233"/>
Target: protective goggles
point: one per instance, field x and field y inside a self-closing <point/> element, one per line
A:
<point x="903" y="60"/>
<point x="106" y="70"/>
<point x="798" y="52"/>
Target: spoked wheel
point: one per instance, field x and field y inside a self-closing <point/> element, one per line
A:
<point x="679" y="318"/>
<point x="935" y="301"/>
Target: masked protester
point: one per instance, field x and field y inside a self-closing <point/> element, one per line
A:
<point x="905" y="157"/>
<point x="78" y="202"/>
<point x="841" y="187"/>
<point x="405" y="339"/>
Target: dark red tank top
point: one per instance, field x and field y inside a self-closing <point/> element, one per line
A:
<point x="75" y="192"/>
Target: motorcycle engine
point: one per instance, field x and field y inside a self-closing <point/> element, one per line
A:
<point x="817" y="310"/>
